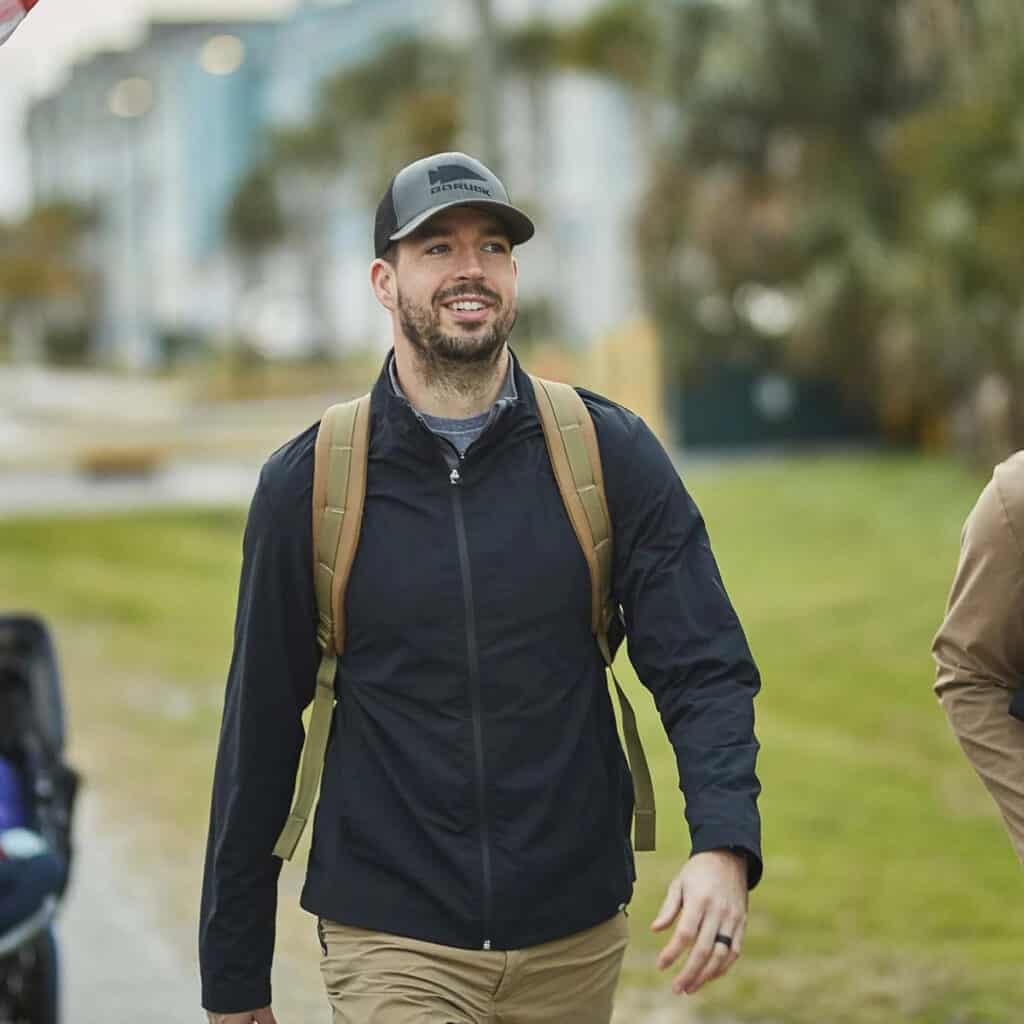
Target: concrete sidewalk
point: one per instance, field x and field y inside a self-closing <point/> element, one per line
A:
<point x="66" y="492"/>
<point x="116" y="964"/>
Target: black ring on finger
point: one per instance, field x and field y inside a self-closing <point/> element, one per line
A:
<point x="725" y="940"/>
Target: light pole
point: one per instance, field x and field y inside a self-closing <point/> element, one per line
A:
<point x="129" y="101"/>
<point x="486" y="70"/>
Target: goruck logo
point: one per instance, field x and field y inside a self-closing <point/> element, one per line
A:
<point x="455" y="177"/>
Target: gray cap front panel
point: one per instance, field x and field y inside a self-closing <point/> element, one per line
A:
<point x="438" y="181"/>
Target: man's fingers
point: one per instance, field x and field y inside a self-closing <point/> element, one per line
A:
<point x="737" y="942"/>
<point x="717" y="964"/>
<point x="737" y="939"/>
<point x="722" y="956"/>
<point x="699" y="954"/>
<point x="265" y="1016"/>
<point x="687" y="930"/>
<point x="669" y="908"/>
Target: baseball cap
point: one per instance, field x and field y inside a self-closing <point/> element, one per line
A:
<point x="435" y="183"/>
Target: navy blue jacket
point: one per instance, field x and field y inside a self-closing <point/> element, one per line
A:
<point x="475" y="792"/>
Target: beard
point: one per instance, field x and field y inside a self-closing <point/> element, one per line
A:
<point x="455" y="359"/>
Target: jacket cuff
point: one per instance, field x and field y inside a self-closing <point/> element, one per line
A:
<point x="223" y="996"/>
<point x="1017" y="704"/>
<point x="718" y="837"/>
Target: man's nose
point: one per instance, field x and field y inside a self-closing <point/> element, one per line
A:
<point x="470" y="265"/>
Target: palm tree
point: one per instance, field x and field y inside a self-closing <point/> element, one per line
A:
<point x="305" y="164"/>
<point x="255" y="222"/>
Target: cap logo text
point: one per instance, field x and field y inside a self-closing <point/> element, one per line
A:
<point x="462" y="186"/>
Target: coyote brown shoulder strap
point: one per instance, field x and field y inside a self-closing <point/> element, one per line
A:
<point x="576" y="461"/>
<point x="339" y="489"/>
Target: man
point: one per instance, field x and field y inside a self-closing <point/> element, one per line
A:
<point x="979" y="649"/>
<point x="470" y="858"/>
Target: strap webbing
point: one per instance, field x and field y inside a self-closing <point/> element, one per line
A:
<point x="576" y="460"/>
<point x="312" y="758"/>
<point x="643" y="788"/>
<point x="339" y="491"/>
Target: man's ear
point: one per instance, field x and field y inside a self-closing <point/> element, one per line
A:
<point x="515" y="272"/>
<point x="384" y="283"/>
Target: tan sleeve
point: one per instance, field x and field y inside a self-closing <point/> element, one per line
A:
<point x="979" y="649"/>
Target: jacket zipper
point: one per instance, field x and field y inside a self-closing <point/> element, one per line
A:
<point x="455" y="479"/>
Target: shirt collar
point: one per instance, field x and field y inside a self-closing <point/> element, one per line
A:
<point x="507" y="396"/>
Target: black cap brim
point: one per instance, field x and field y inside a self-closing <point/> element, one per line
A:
<point x="520" y="227"/>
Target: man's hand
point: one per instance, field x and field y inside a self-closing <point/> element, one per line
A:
<point x="711" y="891"/>
<point x="262" y="1016"/>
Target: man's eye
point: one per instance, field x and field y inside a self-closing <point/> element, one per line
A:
<point x="496" y="247"/>
<point x="440" y="247"/>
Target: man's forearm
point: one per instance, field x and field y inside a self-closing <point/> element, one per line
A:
<point x="993" y="741"/>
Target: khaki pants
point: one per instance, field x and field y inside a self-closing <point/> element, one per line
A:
<point x="376" y="978"/>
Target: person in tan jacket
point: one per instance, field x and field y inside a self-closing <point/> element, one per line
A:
<point x="979" y="649"/>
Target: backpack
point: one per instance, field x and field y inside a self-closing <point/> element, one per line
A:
<point x="339" y="490"/>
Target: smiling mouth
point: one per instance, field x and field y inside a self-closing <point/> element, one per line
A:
<point x="466" y="307"/>
<point x="469" y="310"/>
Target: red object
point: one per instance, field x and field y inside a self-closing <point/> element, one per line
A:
<point x="11" y="13"/>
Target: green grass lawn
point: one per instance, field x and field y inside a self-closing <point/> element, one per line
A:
<point x="890" y="894"/>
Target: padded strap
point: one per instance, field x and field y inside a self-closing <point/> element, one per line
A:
<point x="576" y="461"/>
<point x="339" y="491"/>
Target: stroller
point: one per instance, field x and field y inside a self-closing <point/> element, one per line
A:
<point x="31" y="752"/>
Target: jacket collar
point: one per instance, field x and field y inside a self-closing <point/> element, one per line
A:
<point x="395" y="422"/>
<point x="507" y="396"/>
<point x="515" y="400"/>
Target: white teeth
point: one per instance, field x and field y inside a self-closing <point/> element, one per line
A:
<point x="467" y="307"/>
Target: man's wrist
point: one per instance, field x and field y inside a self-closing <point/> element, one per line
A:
<point x="740" y="853"/>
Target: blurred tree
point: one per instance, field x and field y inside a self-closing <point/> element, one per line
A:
<point x="961" y="164"/>
<point x="845" y="193"/>
<point x="771" y="216"/>
<point x="46" y="286"/>
<point x="620" y="39"/>
<point x="401" y="104"/>
<point x="255" y="222"/>
<point x="305" y="163"/>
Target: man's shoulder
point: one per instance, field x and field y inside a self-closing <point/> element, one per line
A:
<point x="614" y="422"/>
<point x="632" y="456"/>
<point x="1009" y="476"/>
<point x="1008" y="483"/>
<point x="287" y="474"/>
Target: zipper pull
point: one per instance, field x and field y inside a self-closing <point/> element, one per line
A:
<point x="454" y="478"/>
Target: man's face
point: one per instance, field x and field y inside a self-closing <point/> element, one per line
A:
<point x="455" y="287"/>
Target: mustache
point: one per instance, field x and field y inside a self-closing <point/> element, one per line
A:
<point x="468" y="289"/>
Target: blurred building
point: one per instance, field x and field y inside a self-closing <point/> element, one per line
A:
<point x="158" y="139"/>
<point x="155" y="140"/>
